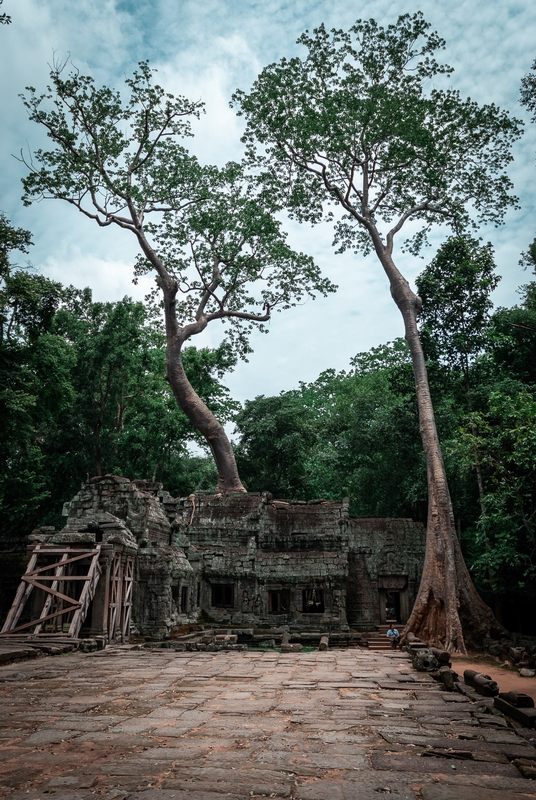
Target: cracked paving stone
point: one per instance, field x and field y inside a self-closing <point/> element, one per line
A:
<point x="165" y="726"/>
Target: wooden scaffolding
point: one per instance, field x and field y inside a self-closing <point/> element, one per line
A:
<point x="59" y="585"/>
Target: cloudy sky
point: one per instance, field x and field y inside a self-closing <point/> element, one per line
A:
<point x="205" y="50"/>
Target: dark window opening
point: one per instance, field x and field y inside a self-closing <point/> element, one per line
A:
<point x="313" y="601"/>
<point x="184" y="599"/>
<point x="279" y="601"/>
<point x="198" y="595"/>
<point x="223" y="595"/>
<point x="175" y="595"/>
<point x="392" y="607"/>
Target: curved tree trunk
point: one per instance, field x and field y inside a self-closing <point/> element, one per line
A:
<point x="448" y="610"/>
<point x="204" y="420"/>
<point x="195" y="409"/>
<point x="197" y="412"/>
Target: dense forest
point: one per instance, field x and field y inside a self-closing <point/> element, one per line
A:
<point x="83" y="393"/>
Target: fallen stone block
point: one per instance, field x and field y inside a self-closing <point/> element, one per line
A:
<point x="517" y="699"/>
<point x="291" y="648"/>
<point x="225" y="638"/>
<point x="526" y="716"/>
<point x="324" y="643"/>
<point x="527" y="767"/>
<point x="17" y="653"/>
<point x="448" y="677"/>
<point x="485" y="686"/>
<point x="516" y="653"/>
<point x="87" y="645"/>
<point x="443" y="656"/>
<point x="482" y="683"/>
<point x="424" y="661"/>
<point x="48" y="649"/>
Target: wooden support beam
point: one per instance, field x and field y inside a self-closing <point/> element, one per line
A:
<point x="53" y="592"/>
<point x="22" y="595"/>
<point x="87" y="594"/>
<point x="34" y="577"/>
<point x="58" y="552"/>
<point x="59" y="570"/>
<point x="43" y="619"/>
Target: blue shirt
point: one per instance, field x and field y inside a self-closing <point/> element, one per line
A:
<point x="392" y="633"/>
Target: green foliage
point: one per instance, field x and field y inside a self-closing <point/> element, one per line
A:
<point x="210" y="234"/>
<point x="505" y="438"/>
<point x="455" y="292"/>
<point x="124" y="417"/>
<point x="277" y="435"/>
<point x="346" y="434"/>
<point x="354" y="124"/>
<point x="528" y="91"/>
<point x="5" y="19"/>
<point x="82" y="392"/>
<point x="369" y="444"/>
<point x="119" y="152"/>
<point x="35" y="383"/>
<point x="514" y="337"/>
<point x="230" y="258"/>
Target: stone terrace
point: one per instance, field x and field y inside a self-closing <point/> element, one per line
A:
<point x="159" y="725"/>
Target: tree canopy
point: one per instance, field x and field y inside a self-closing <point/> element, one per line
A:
<point x="353" y="124"/>
<point x="208" y="234"/>
<point x="455" y="292"/>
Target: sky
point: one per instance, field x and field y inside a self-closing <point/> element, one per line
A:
<point x="205" y="50"/>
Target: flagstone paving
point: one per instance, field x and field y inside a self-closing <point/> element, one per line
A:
<point x="337" y="725"/>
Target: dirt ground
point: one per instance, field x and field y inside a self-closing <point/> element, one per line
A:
<point x="509" y="679"/>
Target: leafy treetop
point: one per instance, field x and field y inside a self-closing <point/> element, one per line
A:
<point x="455" y="291"/>
<point x="355" y="122"/>
<point x="528" y="91"/>
<point x="209" y="233"/>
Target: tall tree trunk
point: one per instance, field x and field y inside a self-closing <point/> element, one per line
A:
<point x="204" y="420"/>
<point x="195" y="409"/>
<point x="448" y="610"/>
<point x="189" y="401"/>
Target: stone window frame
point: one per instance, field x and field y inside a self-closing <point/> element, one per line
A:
<point x="279" y="591"/>
<point x="314" y="595"/>
<point x="227" y="595"/>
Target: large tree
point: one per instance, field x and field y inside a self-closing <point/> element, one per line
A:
<point x="209" y="234"/>
<point x="358" y="124"/>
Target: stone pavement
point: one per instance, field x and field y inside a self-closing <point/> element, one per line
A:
<point x="338" y="725"/>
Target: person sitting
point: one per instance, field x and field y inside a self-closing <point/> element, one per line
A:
<point x="393" y="636"/>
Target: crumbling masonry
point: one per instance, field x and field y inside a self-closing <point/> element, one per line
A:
<point x="237" y="560"/>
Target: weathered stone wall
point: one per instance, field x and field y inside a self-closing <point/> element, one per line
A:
<point x="248" y="559"/>
<point x="388" y="555"/>
<point x="263" y="546"/>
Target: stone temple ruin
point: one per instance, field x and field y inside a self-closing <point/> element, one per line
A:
<point x="132" y="555"/>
